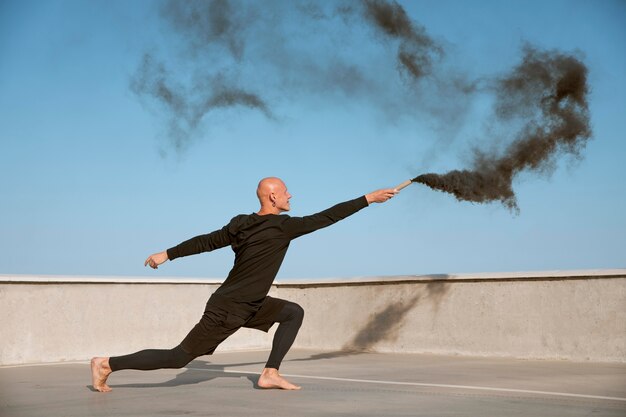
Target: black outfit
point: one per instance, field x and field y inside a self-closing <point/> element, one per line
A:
<point x="260" y="244"/>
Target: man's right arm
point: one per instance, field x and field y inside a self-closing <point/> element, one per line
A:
<point x="380" y="196"/>
<point x="297" y="226"/>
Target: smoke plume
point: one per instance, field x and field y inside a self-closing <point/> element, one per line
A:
<point x="259" y="56"/>
<point x="549" y="91"/>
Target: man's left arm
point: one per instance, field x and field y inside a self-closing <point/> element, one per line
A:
<point x="202" y="243"/>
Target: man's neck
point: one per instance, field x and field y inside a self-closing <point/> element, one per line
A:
<point x="264" y="211"/>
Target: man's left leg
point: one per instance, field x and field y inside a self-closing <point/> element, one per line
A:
<point x="145" y="360"/>
<point x="212" y="329"/>
<point x="289" y="316"/>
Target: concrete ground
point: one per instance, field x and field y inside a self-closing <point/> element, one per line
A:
<point x="333" y="383"/>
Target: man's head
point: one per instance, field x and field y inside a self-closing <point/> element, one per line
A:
<point x="273" y="196"/>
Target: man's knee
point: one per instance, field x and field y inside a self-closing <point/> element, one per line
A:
<point x="179" y="358"/>
<point x="294" y="312"/>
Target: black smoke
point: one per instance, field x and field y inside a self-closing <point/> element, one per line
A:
<point x="548" y="91"/>
<point x="257" y="56"/>
<point x="417" y="50"/>
<point x="263" y="56"/>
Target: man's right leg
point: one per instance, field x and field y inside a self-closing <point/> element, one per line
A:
<point x="144" y="360"/>
<point x="289" y="315"/>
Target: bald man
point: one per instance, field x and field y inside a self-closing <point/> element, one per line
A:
<point x="260" y="241"/>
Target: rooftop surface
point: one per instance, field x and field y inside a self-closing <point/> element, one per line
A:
<point x="333" y="383"/>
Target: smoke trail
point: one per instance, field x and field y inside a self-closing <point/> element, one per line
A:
<point x="425" y="74"/>
<point x="221" y="54"/>
<point x="416" y="49"/>
<point x="233" y="97"/>
<point x="206" y="28"/>
<point x="549" y="89"/>
<point x="203" y="22"/>
<point x="187" y="107"/>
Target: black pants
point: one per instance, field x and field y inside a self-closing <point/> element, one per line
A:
<point x="289" y="318"/>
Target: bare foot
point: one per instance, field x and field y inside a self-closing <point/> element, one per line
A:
<point x="270" y="378"/>
<point x="100" y="371"/>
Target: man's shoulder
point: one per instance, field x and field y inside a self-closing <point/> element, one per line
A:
<point x="238" y="220"/>
<point x="252" y="218"/>
<point x="239" y="217"/>
<point x="250" y="222"/>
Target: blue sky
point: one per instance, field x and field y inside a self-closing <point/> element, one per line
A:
<point x="90" y="183"/>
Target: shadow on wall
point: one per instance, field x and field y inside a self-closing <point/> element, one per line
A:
<point x="385" y="325"/>
<point x="435" y="291"/>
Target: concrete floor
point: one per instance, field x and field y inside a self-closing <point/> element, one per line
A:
<point x="334" y="383"/>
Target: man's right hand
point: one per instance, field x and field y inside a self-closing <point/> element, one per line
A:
<point x="380" y="196"/>
<point x="156" y="259"/>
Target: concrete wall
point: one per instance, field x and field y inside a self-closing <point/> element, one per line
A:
<point x="575" y="315"/>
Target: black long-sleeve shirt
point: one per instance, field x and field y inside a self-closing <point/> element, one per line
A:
<point x="260" y="244"/>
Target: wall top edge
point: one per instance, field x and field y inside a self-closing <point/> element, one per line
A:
<point x="490" y="276"/>
<point x="103" y="279"/>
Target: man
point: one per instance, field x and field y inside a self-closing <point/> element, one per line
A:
<point x="260" y="241"/>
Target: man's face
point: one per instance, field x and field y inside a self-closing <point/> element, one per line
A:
<point x="281" y="197"/>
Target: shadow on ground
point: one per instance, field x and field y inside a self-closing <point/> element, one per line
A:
<point x="195" y="373"/>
